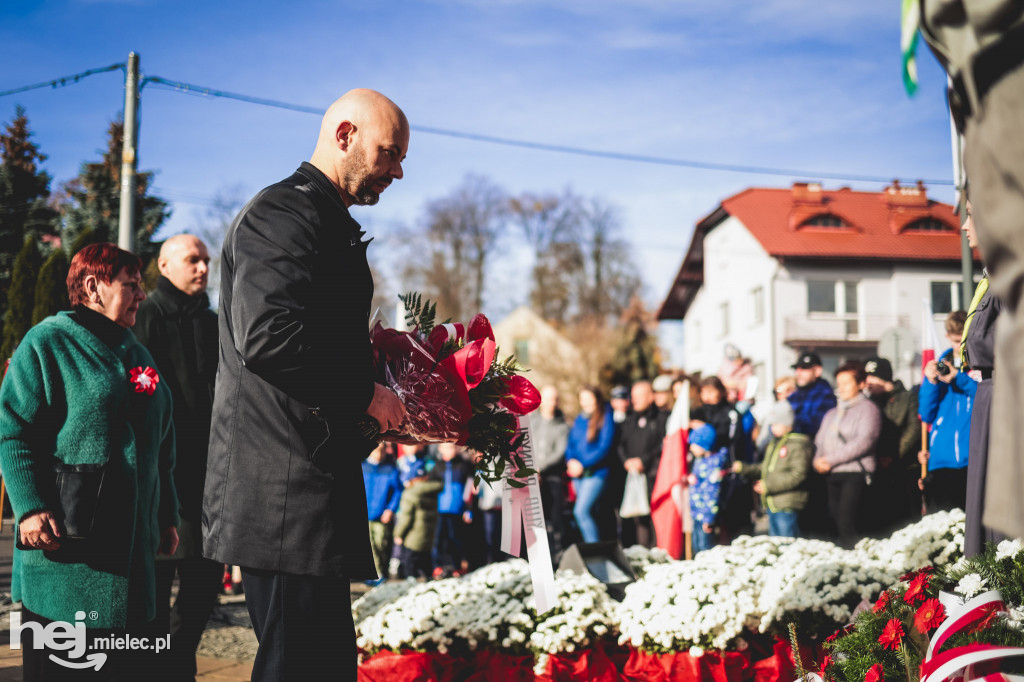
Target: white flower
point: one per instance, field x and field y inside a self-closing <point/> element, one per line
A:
<point x="1008" y="549"/>
<point x="1015" y="617"/>
<point x="696" y="651"/>
<point x="970" y="585"/>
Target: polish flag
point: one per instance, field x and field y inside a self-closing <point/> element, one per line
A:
<point x="670" y="502"/>
<point x="930" y="343"/>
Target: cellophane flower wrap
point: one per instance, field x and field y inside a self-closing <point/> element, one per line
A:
<point x="454" y="387"/>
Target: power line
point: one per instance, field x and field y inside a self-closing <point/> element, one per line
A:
<point x="203" y="91"/>
<point x="64" y="80"/>
<point x="190" y="89"/>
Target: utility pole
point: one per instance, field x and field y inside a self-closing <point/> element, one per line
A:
<point x="129" y="154"/>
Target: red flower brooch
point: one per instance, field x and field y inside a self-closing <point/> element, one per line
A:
<point x="145" y="380"/>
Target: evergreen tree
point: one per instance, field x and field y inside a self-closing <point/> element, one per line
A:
<point x="93" y="201"/>
<point x="84" y="238"/>
<point x="22" y="294"/>
<point x="24" y="194"/>
<point x="636" y="356"/>
<point x="51" y="287"/>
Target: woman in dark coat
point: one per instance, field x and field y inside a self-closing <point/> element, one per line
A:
<point x="977" y="356"/>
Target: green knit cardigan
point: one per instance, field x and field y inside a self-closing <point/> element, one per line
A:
<point x="69" y="398"/>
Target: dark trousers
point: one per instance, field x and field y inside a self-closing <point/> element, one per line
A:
<point x="199" y="581"/>
<point x="448" y="544"/>
<point x="553" y="496"/>
<point x="303" y="624"/>
<point x="814" y="518"/>
<point x="638" y="530"/>
<point x="120" y="665"/>
<point x="945" y="489"/>
<point x="845" y="491"/>
<point x="415" y="564"/>
<point x="492" y="535"/>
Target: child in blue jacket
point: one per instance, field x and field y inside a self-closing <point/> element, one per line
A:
<point x="454" y="472"/>
<point x="705" y="485"/>
<point x="945" y="401"/>
<point x="383" y="493"/>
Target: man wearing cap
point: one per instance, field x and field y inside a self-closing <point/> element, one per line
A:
<point x="813" y="396"/>
<point x="662" y="386"/>
<point x="810" y="401"/>
<point x="620" y="403"/>
<point x="780" y="479"/>
<point x="898" y="443"/>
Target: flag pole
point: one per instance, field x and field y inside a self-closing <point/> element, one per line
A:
<point x="959" y="181"/>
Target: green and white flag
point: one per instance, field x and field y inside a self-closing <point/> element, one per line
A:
<point x="910" y="24"/>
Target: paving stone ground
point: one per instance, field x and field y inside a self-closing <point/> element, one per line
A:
<point x="225" y="653"/>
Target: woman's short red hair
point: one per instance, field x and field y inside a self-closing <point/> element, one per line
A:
<point x="104" y="261"/>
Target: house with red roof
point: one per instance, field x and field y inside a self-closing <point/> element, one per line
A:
<point x="777" y="272"/>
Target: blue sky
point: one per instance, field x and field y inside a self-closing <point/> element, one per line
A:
<point x="775" y="83"/>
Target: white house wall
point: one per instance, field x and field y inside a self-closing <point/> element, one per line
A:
<point x="735" y="264"/>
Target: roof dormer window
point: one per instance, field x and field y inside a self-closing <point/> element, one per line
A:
<point x="930" y="226"/>
<point x="824" y="220"/>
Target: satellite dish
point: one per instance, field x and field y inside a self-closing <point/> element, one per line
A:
<point x="897" y="345"/>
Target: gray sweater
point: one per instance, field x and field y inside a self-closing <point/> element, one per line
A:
<point x="848" y="436"/>
<point x="550" y="437"/>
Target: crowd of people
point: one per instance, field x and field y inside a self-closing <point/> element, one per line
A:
<point x="837" y="462"/>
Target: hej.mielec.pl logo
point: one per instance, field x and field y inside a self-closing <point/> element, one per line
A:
<point x="71" y="637"/>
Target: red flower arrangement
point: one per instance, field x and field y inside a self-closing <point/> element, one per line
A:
<point x="892" y="635"/>
<point x="907" y="577"/>
<point x="882" y="603"/>
<point x="916" y="590"/>
<point x="874" y="674"/>
<point x="929" y="616"/>
<point x="454" y="388"/>
<point x="145" y="380"/>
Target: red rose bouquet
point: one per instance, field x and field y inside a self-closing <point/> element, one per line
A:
<point x="454" y="387"/>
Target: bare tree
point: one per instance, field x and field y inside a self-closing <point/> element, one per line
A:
<point x="550" y="224"/>
<point x="606" y="278"/>
<point x="212" y="226"/>
<point x="462" y="232"/>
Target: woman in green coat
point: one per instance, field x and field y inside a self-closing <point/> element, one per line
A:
<point x="86" y="452"/>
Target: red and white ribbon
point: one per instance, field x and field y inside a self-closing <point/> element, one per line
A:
<point x="948" y="664"/>
<point x="960" y="614"/>
<point x="521" y="509"/>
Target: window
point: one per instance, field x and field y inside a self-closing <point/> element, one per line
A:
<point x="946" y="297"/>
<point x="832" y="297"/>
<point x="824" y="220"/>
<point x="821" y="297"/>
<point x="929" y="225"/>
<point x="725" y="319"/>
<point x="757" y="306"/>
<point x="523" y="351"/>
<point x="850" y="296"/>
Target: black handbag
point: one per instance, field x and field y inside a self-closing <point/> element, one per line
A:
<point x="79" y="487"/>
